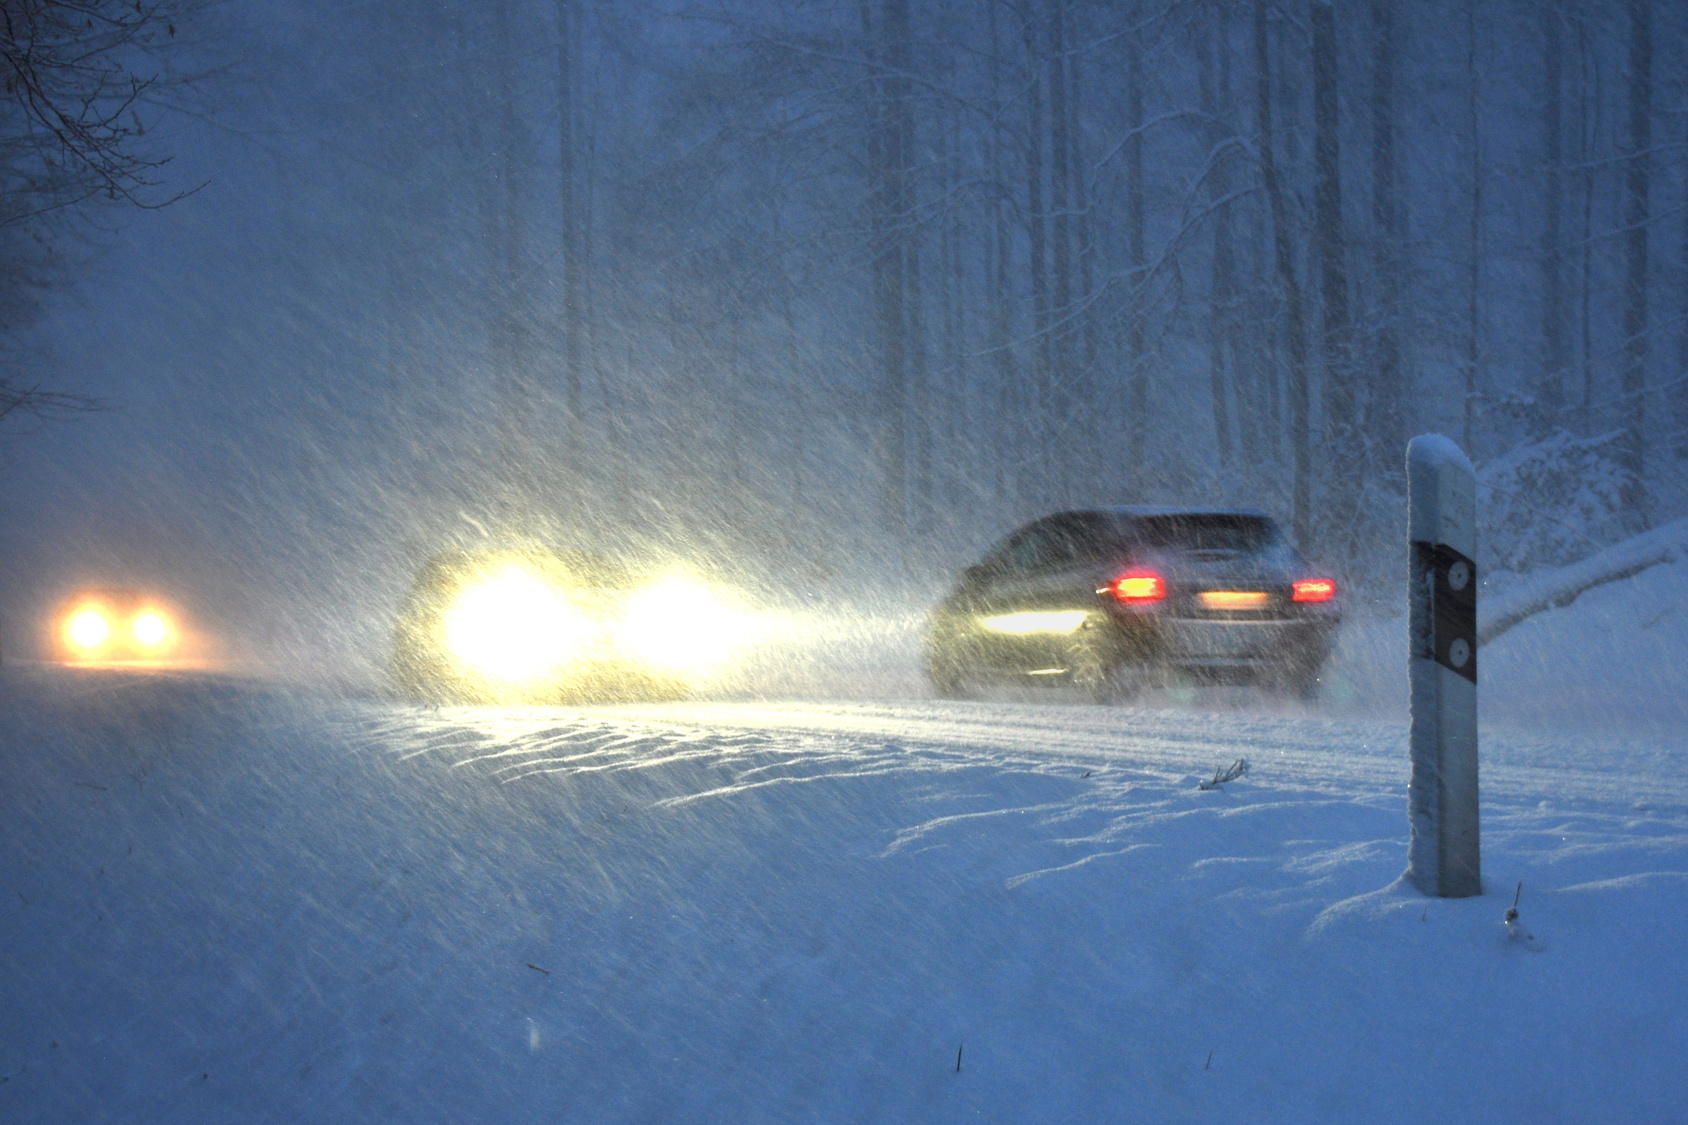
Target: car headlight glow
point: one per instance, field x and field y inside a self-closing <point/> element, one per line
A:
<point x="514" y="627"/>
<point x="88" y="629"/>
<point x="679" y="625"/>
<point x="1019" y="624"/>
<point x="151" y="629"/>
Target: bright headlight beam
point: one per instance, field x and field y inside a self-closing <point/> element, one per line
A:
<point x="1019" y="624"/>
<point x="150" y="628"/>
<point x="514" y="627"/>
<point x="679" y="625"/>
<point x="88" y="629"/>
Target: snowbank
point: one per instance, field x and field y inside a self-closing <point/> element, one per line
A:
<point x="1558" y="588"/>
<point x="1615" y="660"/>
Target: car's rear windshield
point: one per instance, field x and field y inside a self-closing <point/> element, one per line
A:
<point x="1240" y="534"/>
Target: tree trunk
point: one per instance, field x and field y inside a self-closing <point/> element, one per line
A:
<point x="569" y="218"/>
<point x="1283" y="253"/>
<point x="1474" y="239"/>
<point x="949" y="401"/>
<point x="916" y="419"/>
<point x="1388" y="423"/>
<point x="1009" y="454"/>
<point x="1043" y="404"/>
<point x="1137" y="260"/>
<point x="1680" y="394"/>
<point x="1222" y="294"/>
<point x="1588" y="126"/>
<point x="1633" y="451"/>
<point x="509" y="335"/>
<point x="1091" y="417"/>
<point x="1552" y="382"/>
<point x="887" y="165"/>
<point x="1060" y="258"/>
<point x="1342" y="435"/>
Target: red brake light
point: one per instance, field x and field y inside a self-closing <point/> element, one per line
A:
<point x="1312" y="590"/>
<point x="1138" y="585"/>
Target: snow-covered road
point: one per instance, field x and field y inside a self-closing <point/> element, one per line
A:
<point x="228" y="901"/>
<point x="1300" y="749"/>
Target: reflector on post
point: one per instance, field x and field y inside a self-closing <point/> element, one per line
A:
<point x="1443" y="858"/>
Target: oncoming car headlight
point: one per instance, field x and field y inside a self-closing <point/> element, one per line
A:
<point x="120" y="625"/>
<point x="513" y="627"/>
<point x="87" y="629"/>
<point x="151" y="629"/>
<point x="677" y="624"/>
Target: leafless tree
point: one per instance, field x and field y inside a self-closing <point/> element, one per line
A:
<point x="78" y="79"/>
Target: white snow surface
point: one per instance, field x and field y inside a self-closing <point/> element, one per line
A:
<point x="1564" y="585"/>
<point x="228" y="901"/>
<point x="1434" y="450"/>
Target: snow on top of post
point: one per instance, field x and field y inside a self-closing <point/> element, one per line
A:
<point x="1431" y="451"/>
<point x="1442" y="494"/>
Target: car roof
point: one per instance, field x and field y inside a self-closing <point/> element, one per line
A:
<point x="1133" y="510"/>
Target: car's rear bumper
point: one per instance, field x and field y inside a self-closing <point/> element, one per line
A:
<point x="1232" y="650"/>
<point x="1242" y="644"/>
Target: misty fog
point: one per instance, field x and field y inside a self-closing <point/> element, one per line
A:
<point x="834" y="297"/>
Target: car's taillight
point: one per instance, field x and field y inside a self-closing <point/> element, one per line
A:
<point x="1312" y="590"/>
<point x="1138" y="586"/>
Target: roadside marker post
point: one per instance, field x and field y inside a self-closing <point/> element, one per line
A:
<point x="1444" y="857"/>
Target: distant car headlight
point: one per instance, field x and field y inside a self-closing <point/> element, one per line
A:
<point x="116" y="625"/>
<point x="87" y="629"/>
<point x="677" y="624"/>
<point x="151" y="629"/>
<point x="513" y="627"/>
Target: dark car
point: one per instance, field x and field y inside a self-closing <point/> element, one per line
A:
<point x="539" y="624"/>
<point x="1111" y="599"/>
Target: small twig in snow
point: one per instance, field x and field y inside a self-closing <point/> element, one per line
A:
<point x="1209" y="1064"/>
<point x="1515" y="929"/>
<point x="1220" y="777"/>
<point x="537" y="969"/>
<point x="958" y="1056"/>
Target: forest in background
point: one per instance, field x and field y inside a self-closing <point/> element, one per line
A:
<point x="854" y="288"/>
